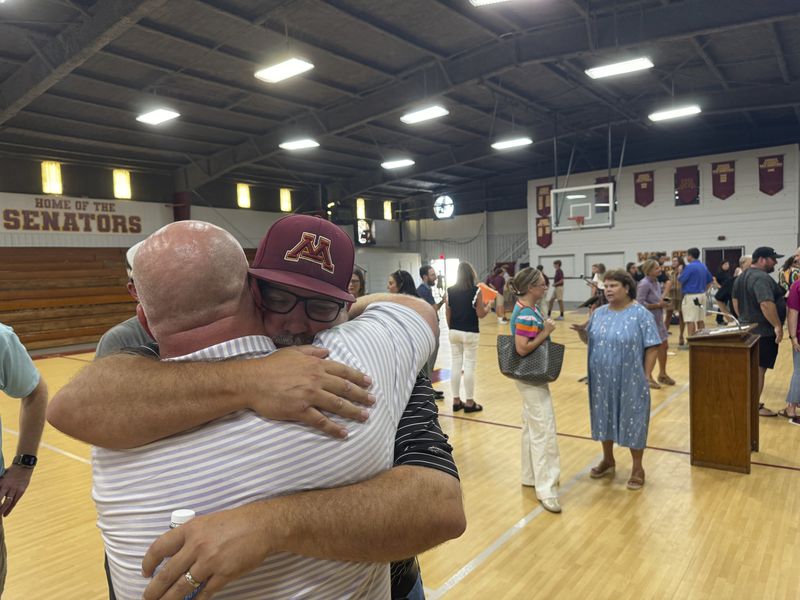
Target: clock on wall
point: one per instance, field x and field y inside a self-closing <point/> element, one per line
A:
<point x="443" y="207"/>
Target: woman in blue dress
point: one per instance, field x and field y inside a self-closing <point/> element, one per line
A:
<point x="623" y="345"/>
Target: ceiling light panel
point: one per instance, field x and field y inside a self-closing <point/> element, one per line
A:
<point x="620" y="68"/>
<point x="284" y="70"/>
<point x="485" y="2"/>
<point x="397" y="164"/>
<point x="158" y="116"/>
<point x="424" y="114"/>
<point x="512" y="143"/>
<point x="675" y="113"/>
<point x="303" y="144"/>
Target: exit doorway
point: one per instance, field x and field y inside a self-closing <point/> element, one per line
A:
<point x="714" y="257"/>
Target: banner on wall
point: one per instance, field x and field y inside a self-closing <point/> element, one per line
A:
<point x="601" y="199"/>
<point x="543" y="200"/>
<point x="544" y="232"/>
<point x="723" y="179"/>
<point x="644" y="193"/>
<point x="29" y="214"/>
<point x="687" y="186"/>
<point x="770" y="174"/>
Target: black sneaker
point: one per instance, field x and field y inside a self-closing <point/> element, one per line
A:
<point x="794" y="421"/>
<point x="438" y="395"/>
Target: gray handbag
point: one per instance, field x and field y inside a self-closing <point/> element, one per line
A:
<point x="543" y="365"/>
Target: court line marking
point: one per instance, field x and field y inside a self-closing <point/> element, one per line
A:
<point x="53" y="448"/>
<point x="517" y="527"/>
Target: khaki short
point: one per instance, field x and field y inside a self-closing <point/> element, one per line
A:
<point x="690" y="311"/>
<point x="558" y="292"/>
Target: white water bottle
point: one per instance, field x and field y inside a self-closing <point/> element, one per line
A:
<point x="178" y="518"/>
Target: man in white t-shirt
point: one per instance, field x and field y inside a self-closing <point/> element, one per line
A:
<point x="194" y="298"/>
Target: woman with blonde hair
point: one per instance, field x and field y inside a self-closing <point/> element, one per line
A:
<point x="541" y="464"/>
<point x="649" y="294"/>
<point x="464" y="307"/>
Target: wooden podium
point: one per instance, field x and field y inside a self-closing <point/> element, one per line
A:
<point x="723" y="397"/>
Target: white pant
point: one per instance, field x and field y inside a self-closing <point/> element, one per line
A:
<point x="463" y="352"/>
<point x="541" y="464"/>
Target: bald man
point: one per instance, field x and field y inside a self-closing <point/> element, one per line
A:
<point x="215" y="316"/>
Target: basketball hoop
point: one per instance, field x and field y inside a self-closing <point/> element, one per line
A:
<point x="577" y="220"/>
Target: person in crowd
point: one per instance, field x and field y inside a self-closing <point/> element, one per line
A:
<point x="674" y="292"/>
<point x="103" y="389"/>
<point x="497" y="282"/>
<point x="558" y="291"/>
<point x="19" y="379"/>
<point x="597" y="286"/>
<point x="541" y="464"/>
<point x="793" y="326"/>
<point x="724" y="296"/>
<point x="401" y="282"/>
<point x="633" y="270"/>
<point x="543" y="302"/>
<point x="649" y="294"/>
<point x="721" y="277"/>
<point x="757" y="298"/>
<point x="464" y="306"/>
<point x="130" y="332"/>
<point x="508" y="296"/>
<point x="428" y="276"/>
<point x="695" y="281"/>
<point x="623" y="345"/>
<point x="358" y="283"/>
<point x="789" y="272"/>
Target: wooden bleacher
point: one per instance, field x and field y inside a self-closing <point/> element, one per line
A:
<point x="56" y="297"/>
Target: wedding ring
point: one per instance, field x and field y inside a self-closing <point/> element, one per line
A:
<point x="192" y="581"/>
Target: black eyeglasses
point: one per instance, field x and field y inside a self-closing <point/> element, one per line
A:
<point x="282" y="301"/>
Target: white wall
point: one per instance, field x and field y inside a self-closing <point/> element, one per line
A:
<point x="248" y="226"/>
<point x="480" y="239"/>
<point x="748" y="218"/>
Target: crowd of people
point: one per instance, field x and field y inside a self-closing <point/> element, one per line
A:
<point x="353" y="366"/>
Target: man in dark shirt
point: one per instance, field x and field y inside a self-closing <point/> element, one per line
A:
<point x="558" y="291"/>
<point x="757" y="298"/>
<point x="428" y="275"/>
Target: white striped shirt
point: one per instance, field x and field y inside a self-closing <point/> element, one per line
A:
<point x="242" y="458"/>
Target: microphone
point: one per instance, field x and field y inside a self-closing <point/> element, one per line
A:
<point x="717" y="312"/>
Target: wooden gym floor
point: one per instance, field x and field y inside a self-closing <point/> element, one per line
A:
<point x="690" y="533"/>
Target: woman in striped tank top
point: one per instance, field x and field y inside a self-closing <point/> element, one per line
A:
<point x="541" y="463"/>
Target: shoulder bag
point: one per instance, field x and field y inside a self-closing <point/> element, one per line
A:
<point x="543" y="365"/>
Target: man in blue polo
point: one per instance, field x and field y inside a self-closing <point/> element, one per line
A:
<point x="695" y="281"/>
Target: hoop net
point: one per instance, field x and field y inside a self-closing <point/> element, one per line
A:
<point x="578" y="221"/>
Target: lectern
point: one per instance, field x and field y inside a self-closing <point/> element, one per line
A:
<point x="723" y="397"/>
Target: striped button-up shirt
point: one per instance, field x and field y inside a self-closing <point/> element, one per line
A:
<point x="242" y="458"/>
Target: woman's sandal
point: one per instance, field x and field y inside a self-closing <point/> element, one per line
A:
<point x="458" y="406"/>
<point x="598" y="473"/>
<point x="474" y="408"/>
<point x="635" y="483"/>
<point x="783" y="413"/>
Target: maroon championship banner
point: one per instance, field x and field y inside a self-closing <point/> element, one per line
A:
<point x="544" y="233"/>
<point x="543" y="200"/>
<point x="770" y="174"/>
<point x="687" y="186"/>
<point x="723" y="179"/>
<point x="643" y="192"/>
<point x="601" y="195"/>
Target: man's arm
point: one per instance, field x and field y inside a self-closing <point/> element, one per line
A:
<point x="31" y="423"/>
<point x="419" y="305"/>
<point x="124" y="401"/>
<point x="379" y="520"/>
<point x="771" y="314"/>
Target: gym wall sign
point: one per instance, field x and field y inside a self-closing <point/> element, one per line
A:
<point x="42" y="214"/>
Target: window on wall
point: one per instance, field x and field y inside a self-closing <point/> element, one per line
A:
<point x="361" y="209"/>
<point x="387" y="210"/>
<point x="122" y="184"/>
<point x="286" y="200"/>
<point x="51" y="177"/>
<point x="242" y="195"/>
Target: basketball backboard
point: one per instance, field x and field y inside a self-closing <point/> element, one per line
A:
<point x="583" y="207"/>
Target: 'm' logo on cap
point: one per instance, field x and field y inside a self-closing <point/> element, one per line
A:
<point x="308" y="248"/>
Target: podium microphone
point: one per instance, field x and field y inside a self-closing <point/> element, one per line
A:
<point x="717" y="312"/>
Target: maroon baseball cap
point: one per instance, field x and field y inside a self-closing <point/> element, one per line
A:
<point x="307" y="252"/>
